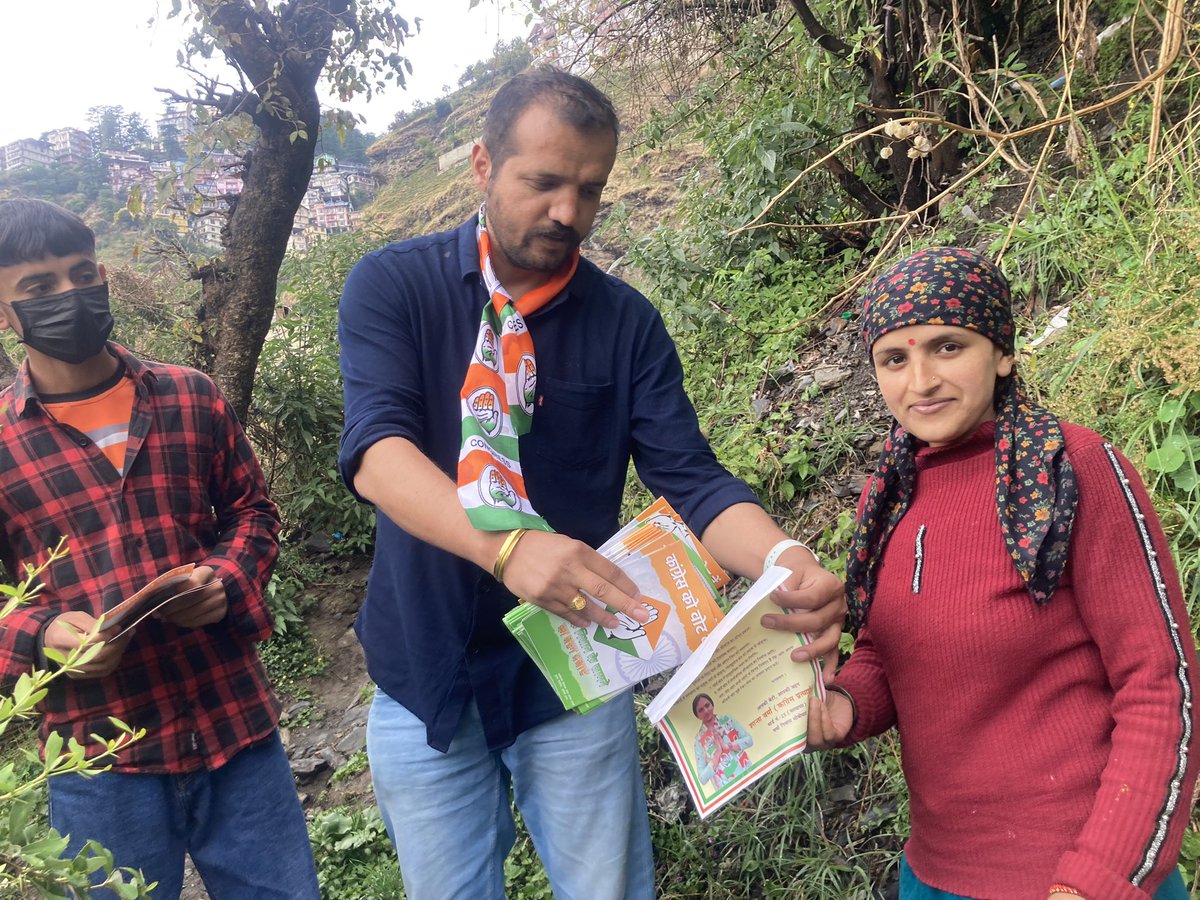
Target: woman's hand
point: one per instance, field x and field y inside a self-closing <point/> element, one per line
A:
<point x="813" y="602"/>
<point x="829" y="722"/>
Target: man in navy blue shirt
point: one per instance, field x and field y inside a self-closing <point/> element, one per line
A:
<point x="461" y="714"/>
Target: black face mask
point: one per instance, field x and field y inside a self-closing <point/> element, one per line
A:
<point x="71" y="327"/>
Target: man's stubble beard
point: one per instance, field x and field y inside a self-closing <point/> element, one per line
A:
<point x="521" y="255"/>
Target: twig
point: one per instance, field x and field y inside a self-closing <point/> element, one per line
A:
<point x="1171" y="40"/>
<point x="998" y="138"/>
<point x="800" y="226"/>
<point x="1063" y="101"/>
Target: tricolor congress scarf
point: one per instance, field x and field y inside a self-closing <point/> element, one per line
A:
<point x="497" y="401"/>
<point x="1036" y="493"/>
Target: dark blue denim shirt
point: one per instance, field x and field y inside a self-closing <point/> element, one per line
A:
<point x="610" y="388"/>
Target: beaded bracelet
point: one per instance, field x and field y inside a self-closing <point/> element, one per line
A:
<point x="506" y="549"/>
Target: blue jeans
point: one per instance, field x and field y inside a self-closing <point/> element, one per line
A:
<point x="913" y="888"/>
<point x="241" y="823"/>
<point x="576" y="779"/>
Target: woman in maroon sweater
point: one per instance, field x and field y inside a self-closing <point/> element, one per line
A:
<point x="1020" y="619"/>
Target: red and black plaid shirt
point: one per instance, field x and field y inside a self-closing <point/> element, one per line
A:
<point x="192" y="492"/>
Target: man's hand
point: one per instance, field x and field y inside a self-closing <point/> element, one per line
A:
<point x="75" y="629"/>
<point x="815" y="604"/>
<point x="204" y="607"/>
<point x="829" y="722"/>
<point x="550" y="569"/>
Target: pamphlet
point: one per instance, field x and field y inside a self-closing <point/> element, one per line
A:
<point x="737" y="708"/>
<point x="127" y="614"/>
<point x="661" y="514"/>
<point x="677" y="580"/>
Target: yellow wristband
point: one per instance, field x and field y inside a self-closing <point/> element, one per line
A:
<point x="506" y="549"/>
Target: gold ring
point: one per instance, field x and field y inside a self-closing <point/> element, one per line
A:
<point x="578" y="603"/>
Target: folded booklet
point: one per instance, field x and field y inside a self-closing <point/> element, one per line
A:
<point x="158" y="593"/>
<point x="738" y="707"/>
<point x="677" y="580"/>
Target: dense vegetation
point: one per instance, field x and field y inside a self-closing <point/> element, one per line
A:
<point x="750" y="307"/>
<point x="1088" y="192"/>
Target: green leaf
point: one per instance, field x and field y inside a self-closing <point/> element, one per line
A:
<point x="54" y="745"/>
<point x="18" y="815"/>
<point x="1178" y="440"/>
<point x="1165" y="459"/>
<point x="1186" y="479"/>
<point x="55" y="655"/>
<point x="1172" y="408"/>
<point x="51" y="846"/>
<point x="1191" y="845"/>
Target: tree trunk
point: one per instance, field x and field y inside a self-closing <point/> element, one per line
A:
<point x="238" y="292"/>
<point x="282" y="55"/>
<point x="897" y="85"/>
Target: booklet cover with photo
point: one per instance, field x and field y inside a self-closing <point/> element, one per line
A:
<point x="737" y="709"/>
<point x="678" y="583"/>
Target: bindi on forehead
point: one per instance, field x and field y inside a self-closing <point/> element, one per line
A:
<point x="912" y="342"/>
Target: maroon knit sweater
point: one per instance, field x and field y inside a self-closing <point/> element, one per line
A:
<point x="1040" y="745"/>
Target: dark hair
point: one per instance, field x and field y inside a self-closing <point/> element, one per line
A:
<point x="35" y="229"/>
<point x="698" y="698"/>
<point x="577" y="102"/>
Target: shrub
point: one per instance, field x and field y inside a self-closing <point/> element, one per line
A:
<point x="31" y="853"/>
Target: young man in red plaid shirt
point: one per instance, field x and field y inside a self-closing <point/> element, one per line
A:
<point x="141" y="467"/>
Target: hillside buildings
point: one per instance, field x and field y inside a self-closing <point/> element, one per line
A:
<point x="329" y="204"/>
<point x="196" y="198"/>
<point x="69" y="146"/>
<point x="176" y="123"/>
<point x="194" y="195"/>
<point x="28" y="152"/>
<point x="63" y="145"/>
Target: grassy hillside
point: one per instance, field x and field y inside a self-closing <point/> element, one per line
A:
<point x="415" y="198"/>
<point x="723" y="210"/>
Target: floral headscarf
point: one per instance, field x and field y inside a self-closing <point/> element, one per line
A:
<point x="1036" y="493"/>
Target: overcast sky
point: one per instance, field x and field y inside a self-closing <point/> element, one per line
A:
<point x="60" y="57"/>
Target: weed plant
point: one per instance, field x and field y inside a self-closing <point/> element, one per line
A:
<point x="1114" y="239"/>
<point x="355" y="765"/>
<point x="1128" y="362"/>
<point x="292" y="658"/>
<point x="32" y="855"/>
<point x="354" y="856"/>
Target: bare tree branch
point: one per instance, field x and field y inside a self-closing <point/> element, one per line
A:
<point x="819" y="33"/>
